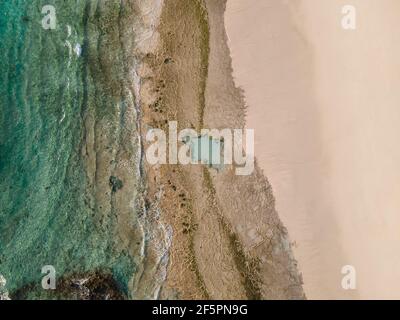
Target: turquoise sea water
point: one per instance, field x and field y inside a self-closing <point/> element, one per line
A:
<point x="51" y="83"/>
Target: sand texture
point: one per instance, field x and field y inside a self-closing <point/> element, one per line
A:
<point x="228" y="242"/>
<point x="324" y="105"/>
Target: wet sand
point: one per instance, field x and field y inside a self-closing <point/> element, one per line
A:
<point x="227" y="241"/>
<point x="324" y="106"/>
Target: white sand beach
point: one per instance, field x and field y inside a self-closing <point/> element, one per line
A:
<point x="325" y="106"/>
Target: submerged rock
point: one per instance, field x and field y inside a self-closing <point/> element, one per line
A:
<point x="94" y="285"/>
<point x="115" y="184"/>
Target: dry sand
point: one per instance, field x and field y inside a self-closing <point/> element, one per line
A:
<point x="324" y="103"/>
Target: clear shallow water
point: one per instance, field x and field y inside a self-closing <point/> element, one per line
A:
<point x="51" y="83"/>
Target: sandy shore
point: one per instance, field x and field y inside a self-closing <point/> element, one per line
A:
<point x="227" y="240"/>
<point x="324" y="106"/>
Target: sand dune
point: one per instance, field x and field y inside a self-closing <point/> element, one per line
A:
<point x="324" y="105"/>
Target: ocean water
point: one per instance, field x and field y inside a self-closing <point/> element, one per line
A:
<point x="68" y="133"/>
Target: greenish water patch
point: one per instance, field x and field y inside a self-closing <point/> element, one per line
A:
<point x="207" y="150"/>
<point x="49" y="82"/>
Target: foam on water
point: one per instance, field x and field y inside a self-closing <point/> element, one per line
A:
<point x="54" y="99"/>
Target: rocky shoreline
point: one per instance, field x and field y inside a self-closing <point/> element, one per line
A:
<point x="228" y="241"/>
